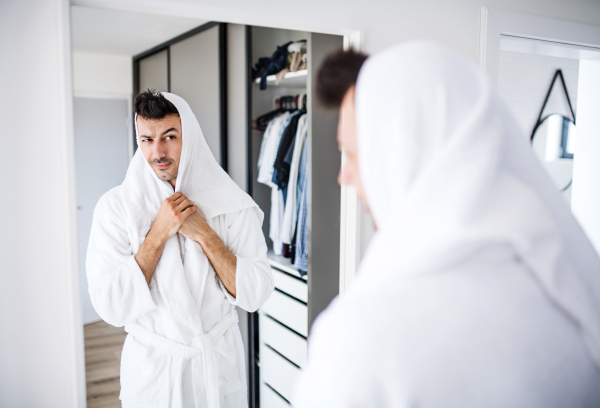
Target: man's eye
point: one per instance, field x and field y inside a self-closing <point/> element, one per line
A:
<point x="171" y="137"/>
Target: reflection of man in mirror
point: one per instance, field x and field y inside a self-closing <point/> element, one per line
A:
<point x="479" y="288"/>
<point x="172" y="252"/>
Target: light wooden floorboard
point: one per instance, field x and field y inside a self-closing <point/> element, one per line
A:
<point x="103" y="346"/>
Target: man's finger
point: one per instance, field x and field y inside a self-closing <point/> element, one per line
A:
<point x="181" y="206"/>
<point x="176" y="196"/>
<point x="188" y="211"/>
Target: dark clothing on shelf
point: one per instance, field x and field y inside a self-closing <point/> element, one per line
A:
<point x="277" y="62"/>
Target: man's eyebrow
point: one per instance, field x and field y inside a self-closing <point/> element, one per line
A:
<point x="147" y="137"/>
<point x="168" y="130"/>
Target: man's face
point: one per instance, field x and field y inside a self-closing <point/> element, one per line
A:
<point x="346" y="138"/>
<point x="160" y="141"/>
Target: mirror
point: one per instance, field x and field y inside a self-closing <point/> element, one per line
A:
<point x="553" y="141"/>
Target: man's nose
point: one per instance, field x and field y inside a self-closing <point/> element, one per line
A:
<point x="159" y="150"/>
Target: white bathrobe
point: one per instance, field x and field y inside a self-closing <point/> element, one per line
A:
<point x="479" y="288"/>
<point x="184" y="347"/>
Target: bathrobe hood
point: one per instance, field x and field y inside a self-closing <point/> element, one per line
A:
<point x="204" y="182"/>
<point x="447" y="173"/>
<point x="199" y="176"/>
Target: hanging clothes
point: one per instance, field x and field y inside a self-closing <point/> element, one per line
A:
<point x="290" y="216"/>
<point x="281" y="169"/>
<point x="268" y="148"/>
<point x="268" y="153"/>
<point x="301" y="254"/>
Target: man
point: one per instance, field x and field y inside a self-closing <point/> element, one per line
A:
<point x="479" y="288"/>
<point x="172" y="251"/>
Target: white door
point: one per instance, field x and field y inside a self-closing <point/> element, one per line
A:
<point x="101" y="159"/>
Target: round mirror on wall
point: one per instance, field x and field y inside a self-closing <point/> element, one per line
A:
<point x="553" y="141"/>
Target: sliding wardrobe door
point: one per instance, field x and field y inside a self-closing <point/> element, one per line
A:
<point x="154" y="72"/>
<point x="323" y="190"/>
<point x="195" y="71"/>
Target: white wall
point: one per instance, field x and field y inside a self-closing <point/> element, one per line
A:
<point x="99" y="74"/>
<point x="41" y="340"/>
<point x="586" y="169"/>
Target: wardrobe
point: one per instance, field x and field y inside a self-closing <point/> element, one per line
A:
<point x="211" y="67"/>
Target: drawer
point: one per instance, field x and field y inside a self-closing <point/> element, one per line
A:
<point x="283" y="340"/>
<point x="279" y="373"/>
<point x="270" y="399"/>
<point x="291" y="312"/>
<point x="290" y="285"/>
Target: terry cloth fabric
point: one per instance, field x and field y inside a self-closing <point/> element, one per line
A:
<point x="479" y="288"/>
<point x="186" y="299"/>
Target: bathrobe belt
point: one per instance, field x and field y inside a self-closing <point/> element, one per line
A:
<point x="202" y="344"/>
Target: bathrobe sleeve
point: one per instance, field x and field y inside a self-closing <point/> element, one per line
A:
<point x="117" y="285"/>
<point x="253" y="280"/>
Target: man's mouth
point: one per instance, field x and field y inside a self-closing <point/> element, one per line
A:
<point x="162" y="166"/>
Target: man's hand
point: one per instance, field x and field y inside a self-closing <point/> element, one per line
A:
<point x="223" y="261"/>
<point x="194" y="226"/>
<point x="171" y="215"/>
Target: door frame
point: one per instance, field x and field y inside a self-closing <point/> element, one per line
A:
<point x="496" y="23"/>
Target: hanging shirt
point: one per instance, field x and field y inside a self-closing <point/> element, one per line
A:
<point x="268" y="148"/>
<point x="301" y="259"/>
<point x="290" y="215"/>
<point x="281" y="168"/>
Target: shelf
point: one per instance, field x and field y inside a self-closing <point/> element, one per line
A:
<point x="284" y="264"/>
<point x="294" y="79"/>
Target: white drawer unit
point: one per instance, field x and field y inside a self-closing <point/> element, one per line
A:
<point x="270" y="399"/>
<point x="277" y="372"/>
<point x="290" y="285"/>
<point x="283" y="328"/>
<point x="283" y="340"/>
<point x="289" y="311"/>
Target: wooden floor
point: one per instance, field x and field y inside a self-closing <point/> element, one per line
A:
<point x="103" y="345"/>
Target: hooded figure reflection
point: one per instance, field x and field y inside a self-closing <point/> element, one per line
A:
<point x="172" y="251"/>
<point x="479" y="288"/>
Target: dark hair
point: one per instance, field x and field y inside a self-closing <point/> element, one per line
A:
<point x="152" y="105"/>
<point x="337" y="74"/>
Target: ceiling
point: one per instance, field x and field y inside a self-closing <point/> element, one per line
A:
<point x="123" y="32"/>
